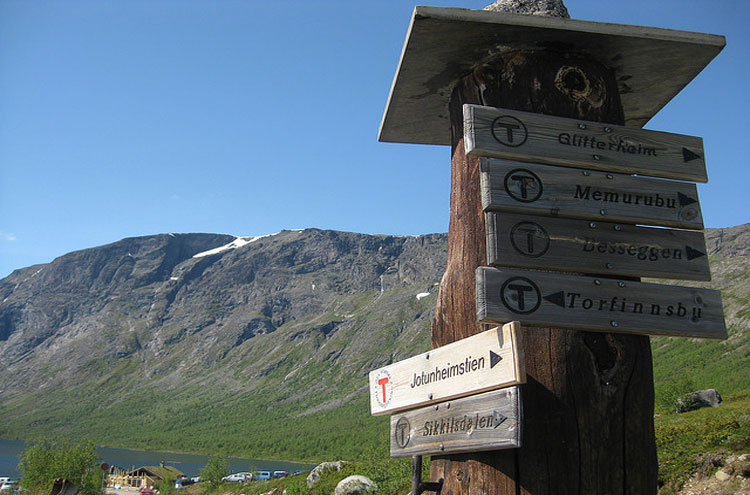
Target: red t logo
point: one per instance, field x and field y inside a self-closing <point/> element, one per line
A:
<point x="382" y="382"/>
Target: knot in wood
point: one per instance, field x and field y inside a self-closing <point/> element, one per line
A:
<point x="578" y="86"/>
<point x="604" y="351"/>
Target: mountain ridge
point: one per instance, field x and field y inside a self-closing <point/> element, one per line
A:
<point x="140" y="342"/>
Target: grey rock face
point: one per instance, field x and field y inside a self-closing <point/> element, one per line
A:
<point x="697" y="400"/>
<point x="553" y="8"/>
<point x="355" y="485"/>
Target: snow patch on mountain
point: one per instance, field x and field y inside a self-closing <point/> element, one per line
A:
<point x="238" y="242"/>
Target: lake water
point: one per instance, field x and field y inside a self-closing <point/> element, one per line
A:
<point x="190" y="464"/>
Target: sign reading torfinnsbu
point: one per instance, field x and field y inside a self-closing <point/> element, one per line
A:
<point x="584" y="246"/>
<point x="588" y="194"/>
<point x="539" y="138"/>
<point x="598" y="304"/>
<point x="482" y="362"/>
<point x="488" y="421"/>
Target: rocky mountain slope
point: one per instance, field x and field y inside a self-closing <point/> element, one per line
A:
<point x="171" y="340"/>
<point x="255" y="346"/>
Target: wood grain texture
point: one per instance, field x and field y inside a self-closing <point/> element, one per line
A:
<point x="598" y="304"/>
<point x="531" y="137"/>
<point x="650" y="65"/>
<point x="588" y="399"/>
<point x="583" y="246"/>
<point x="588" y="194"/>
<point x="488" y="421"/>
<point x="486" y="361"/>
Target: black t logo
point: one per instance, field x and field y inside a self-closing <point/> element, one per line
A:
<point x="523" y="185"/>
<point x="529" y="239"/>
<point x="520" y="295"/>
<point x="401" y="432"/>
<point x="509" y="131"/>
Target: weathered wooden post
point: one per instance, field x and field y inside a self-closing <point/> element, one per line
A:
<point x="588" y="401"/>
<point x="588" y="397"/>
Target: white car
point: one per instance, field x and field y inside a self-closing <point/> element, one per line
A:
<point x="8" y="486"/>
<point x="243" y="476"/>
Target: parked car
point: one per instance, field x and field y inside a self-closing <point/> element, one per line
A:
<point x="8" y="485"/>
<point x="243" y="476"/>
<point x="280" y="474"/>
<point x="263" y="475"/>
<point x="147" y="490"/>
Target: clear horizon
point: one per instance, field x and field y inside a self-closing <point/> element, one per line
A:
<point x="130" y="118"/>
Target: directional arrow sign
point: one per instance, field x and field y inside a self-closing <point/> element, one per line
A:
<point x="487" y="421"/>
<point x="486" y="361"/>
<point x="588" y="194"/>
<point x="534" y="137"/>
<point x="600" y="248"/>
<point x="598" y="304"/>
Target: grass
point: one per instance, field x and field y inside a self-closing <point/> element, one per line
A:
<point x="685" y="440"/>
<point x="393" y="477"/>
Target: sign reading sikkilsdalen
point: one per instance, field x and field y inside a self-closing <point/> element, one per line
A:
<point x="488" y="421"/>
<point x="539" y="138"/>
<point x="482" y="362"/>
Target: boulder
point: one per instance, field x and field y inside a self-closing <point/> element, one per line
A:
<point x="554" y="8"/>
<point x="697" y="400"/>
<point x="315" y="474"/>
<point x="722" y="475"/>
<point x="355" y="485"/>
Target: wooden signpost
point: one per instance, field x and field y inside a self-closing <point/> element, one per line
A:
<point x="588" y="194"/>
<point x="588" y="399"/>
<point x="584" y="246"/>
<point x="486" y="361"/>
<point x="598" y="304"/>
<point x="534" y="137"/>
<point x="487" y="421"/>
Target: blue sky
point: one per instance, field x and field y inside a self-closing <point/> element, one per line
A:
<point x="123" y="118"/>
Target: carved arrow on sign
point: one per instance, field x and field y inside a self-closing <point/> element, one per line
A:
<point x="556" y="298"/>
<point x="498" y="418"/>
<point x="494" y="359"/>
<point x="685" y="200"/>
<point x="688" y="155"/>
<point x="693" y="253"/>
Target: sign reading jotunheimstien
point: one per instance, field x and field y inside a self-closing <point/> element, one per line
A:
<point x="482" y="362"/>
<point x="539" y="138"/>
<point x="488" y="421"/>
<point x="598" y="304"/>
<point x="598" y="248"/>
<point x="588" y="194"/>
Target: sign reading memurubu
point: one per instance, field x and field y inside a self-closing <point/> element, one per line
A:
<point x="588" y="194"/>
<point x="486" y="361"/>
<point x="488" y="421"/>
<point x="598" y="304"/>
<point x="534" y="137"/>
<point x="570" y="245"/>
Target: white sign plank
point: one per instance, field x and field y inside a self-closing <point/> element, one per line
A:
<point x="588" y="194"/>
<point x="488" y="421"/>
<point x="598" y="304"/>
<point x="539" y="138"/>
<point x="599" y="248"/>
<point x="482" y="362"/>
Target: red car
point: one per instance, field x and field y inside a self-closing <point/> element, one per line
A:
<point x="147" y="491"/>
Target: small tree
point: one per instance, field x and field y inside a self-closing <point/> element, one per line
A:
<point x="166" y="487"/>
<point x="212" y="473"/>
<point x="42" y="463"/>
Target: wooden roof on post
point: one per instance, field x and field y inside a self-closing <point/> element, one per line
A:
<point x="443" y="44"/>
